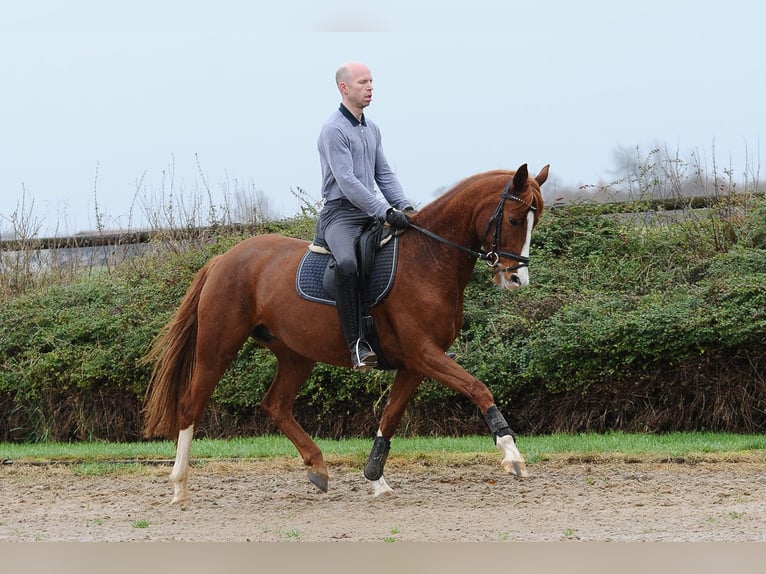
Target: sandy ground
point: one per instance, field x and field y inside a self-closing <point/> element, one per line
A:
<point x="472" y="500"/>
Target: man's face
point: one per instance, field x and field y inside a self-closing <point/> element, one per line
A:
<point x="358" y="90"/>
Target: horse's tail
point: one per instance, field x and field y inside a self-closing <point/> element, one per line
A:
<point x="173" y="354"/>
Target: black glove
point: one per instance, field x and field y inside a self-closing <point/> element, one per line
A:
<point x="408" y="209"/>
<point x="397" y="218"/>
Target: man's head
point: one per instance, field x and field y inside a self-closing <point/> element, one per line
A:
<point x="354" y="82"/>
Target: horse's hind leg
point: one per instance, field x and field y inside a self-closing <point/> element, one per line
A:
<point x="277" y="403"/>
<point x="193" y="404"/>
<point x="216" y="350"/>
<point x="404" y="386"/>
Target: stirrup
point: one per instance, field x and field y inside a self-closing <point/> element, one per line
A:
<point x="363" y="358"/>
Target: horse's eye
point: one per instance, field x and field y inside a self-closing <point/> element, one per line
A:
<point x="513" y="221"/>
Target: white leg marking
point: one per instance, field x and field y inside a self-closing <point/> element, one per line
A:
<point x="181" y="467"/>
<point x="380" y="487"/>
<point x="512" y="461"/>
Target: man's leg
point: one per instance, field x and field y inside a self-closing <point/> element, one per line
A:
<point x="347" y="301"/>
<point x="341" y="234"/>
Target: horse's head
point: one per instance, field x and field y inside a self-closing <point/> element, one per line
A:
<point x="489" y="216"/>
<point x="508" y="231"/>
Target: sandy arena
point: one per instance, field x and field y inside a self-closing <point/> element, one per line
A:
<point x="472" y="500"/>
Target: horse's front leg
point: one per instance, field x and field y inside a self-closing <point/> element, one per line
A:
<point x="505" y="441"/>
<point x="404" y="386"/>
<point x="449" y="373"/>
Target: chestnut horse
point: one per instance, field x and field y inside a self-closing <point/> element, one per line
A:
<point x="249" y="291"/>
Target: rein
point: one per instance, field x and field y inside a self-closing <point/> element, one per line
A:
<point x="477" y="254"/>
<point x="493" y="256"/>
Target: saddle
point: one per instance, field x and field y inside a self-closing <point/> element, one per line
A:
<point x="377" y="255"/>
<point x="377" y="250"/>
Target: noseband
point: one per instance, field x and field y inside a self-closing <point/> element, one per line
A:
<point x="492" y="257"/>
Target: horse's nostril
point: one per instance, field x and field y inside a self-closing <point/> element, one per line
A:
<point x="515" y="280"/>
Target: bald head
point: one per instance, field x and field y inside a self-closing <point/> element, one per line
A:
<point x="349" y="71"/>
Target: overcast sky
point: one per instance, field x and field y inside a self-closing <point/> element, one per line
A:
<point x="142" y="94"/>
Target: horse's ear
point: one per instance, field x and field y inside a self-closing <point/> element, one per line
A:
<point x="541" y="177"/>
<point x="520" y="177"/>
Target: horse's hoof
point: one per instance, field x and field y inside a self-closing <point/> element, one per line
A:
<point x="181" y="496"/>
<point x="381" y="488"/>
<point x="516" y="467"/>
<point x="180" y="501"/>
<point x="318" y="479"/>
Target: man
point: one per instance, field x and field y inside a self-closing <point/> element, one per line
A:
<point x="352" y="161"/>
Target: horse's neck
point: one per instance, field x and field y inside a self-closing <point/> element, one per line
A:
<point x="451" y="220"/>
<point x="454" y="225"/>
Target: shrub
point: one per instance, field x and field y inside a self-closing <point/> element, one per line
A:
<point x="625" y="326"/>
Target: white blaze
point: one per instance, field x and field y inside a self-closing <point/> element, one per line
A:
<point x="522" y="273"/>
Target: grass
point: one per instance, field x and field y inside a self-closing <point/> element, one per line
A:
<point x="582" y="447"/>
<point x="142" y="523"/>
<point x="101" y="468"/>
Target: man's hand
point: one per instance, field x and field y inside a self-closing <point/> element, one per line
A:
<point x="397" y="218"/>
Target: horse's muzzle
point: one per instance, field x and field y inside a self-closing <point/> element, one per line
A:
<point x="513" y="279"/>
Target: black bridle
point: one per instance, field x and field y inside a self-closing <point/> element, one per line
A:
<point x="497" y="221"/>
<point x="493" y="256"/>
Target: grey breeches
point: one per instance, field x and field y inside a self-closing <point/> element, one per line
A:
<point x="340" y="225"/>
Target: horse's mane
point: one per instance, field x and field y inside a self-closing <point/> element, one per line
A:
<point x="486" y="186"/>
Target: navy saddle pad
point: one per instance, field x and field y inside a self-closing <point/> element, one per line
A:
<point x="309" y="279"/>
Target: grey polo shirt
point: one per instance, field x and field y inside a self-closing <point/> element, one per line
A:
<point x="352" y="160"/>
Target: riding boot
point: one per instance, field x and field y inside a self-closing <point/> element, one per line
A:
<point x="347" y="301"/>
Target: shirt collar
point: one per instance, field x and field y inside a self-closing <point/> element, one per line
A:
<point x="350" y="117"/>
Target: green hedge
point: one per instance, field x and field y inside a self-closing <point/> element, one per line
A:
<point x="625" y="326"/>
